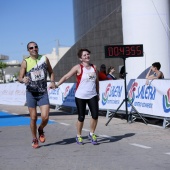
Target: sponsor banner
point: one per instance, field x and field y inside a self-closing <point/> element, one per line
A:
<point x="64" y="95"/>
<point x="152" y="99"/>
<point x="112" y="94"/>
<point x="68" y="94"/>
<point x="55" y="96"/>
<point x="13" y="94"/>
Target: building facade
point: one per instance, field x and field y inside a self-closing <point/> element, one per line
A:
<point x="4" y="57"/>
<point x="98" y="23"/>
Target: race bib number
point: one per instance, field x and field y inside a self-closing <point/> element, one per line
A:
<point x="91" y="76"/>
<point x="37" y="75"/>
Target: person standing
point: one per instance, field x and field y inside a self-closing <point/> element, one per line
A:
<point x="102" y="73"/>
<point x="110" y="74"/>
<point x="87" y="93"/>
<point x="33" y="73"/>
<point x="122" y="73"/>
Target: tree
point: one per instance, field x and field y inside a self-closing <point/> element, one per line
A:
<point x="2" y="66"/>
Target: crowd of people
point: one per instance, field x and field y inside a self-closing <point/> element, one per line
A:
<point x="34" y="71"/>
<point x="109" y="74"/>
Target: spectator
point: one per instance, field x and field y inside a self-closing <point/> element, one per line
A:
<point x="157" y="74"/>
<point x="110" y="74"/>
<point x="122" y="73"/>
<point x="102" y="73"/>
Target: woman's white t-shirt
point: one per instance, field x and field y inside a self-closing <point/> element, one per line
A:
<point x="86" y="83"/>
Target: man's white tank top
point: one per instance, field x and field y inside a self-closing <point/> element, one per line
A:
<point x="86" y="83"/>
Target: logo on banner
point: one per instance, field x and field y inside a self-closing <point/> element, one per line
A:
<point x="66" y="93"/>
<point x="69" y="94"/>
<point x="111" y="94"/>
<point x="53" y="94"/>
<point x="131" y="94"/>
<point x="105" y="95"/>
<point x="166" y="102"/>
<point x="138" y="95"/>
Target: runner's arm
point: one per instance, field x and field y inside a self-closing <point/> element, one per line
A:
<point x="73" y="71"/>
<point x="22" y="72"/>
<point x="51" y="74"/>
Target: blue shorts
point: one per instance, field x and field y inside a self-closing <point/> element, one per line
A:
<point x="35" y="99"/>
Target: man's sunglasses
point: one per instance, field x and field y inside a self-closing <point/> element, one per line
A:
<point x="31" y="48"/>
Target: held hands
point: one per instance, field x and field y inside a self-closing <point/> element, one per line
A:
<point x="52" y="85"/>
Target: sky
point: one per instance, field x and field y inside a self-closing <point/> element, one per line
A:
<point x="43" y="21"/>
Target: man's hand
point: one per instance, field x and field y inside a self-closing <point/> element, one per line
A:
<point x="52" y="85"/>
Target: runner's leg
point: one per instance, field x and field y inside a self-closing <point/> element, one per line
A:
<point x="45" y="108"/>
<point x="33" y="117"/>
<point x="32" y="103"/>
<point x="44" y="115"/>
<point x="94" y="109"/>
<point x="81" y="109"/>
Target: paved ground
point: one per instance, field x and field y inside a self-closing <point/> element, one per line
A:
<point x="121" y="146"/>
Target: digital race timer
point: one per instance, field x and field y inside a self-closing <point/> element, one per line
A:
<point x="113" y="51"/>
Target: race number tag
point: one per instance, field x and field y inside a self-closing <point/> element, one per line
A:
<point x="91" y="76"/>
<point x="37" y="75"/>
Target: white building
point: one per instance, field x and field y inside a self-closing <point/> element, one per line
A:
<point x="54" y="57"/>
<point x="4" y="57"/>
<point x="147" y="22"/>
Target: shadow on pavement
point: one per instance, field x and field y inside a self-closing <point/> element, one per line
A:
<point x="101" y="140"/>
<point x="115" y="138"/>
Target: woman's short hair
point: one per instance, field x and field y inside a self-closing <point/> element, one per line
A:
<point x="81" y="51"/>
<point x="157" y="65"/>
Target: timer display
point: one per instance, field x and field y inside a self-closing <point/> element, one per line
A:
<point x="124" y="51"/>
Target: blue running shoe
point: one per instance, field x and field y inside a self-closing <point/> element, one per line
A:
<point x="93" y="139"/>
<point x="79" y="140"/>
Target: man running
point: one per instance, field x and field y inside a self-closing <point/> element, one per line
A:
<point x="33" y="73"/>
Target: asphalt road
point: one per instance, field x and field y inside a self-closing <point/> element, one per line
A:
<point x="122" y="146"/>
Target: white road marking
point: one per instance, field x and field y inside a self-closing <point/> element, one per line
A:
<point x="105" y="136"/>
<point x="141" y="146"/>
<point x="14" y="113"/>
<point x="86" y="130"/>
<point x="168" y="153"/>
<point x="65" y="124"/>
<point x="52" y="120"/>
